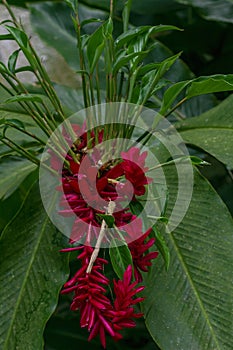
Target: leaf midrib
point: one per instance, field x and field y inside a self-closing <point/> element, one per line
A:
<point x="185" y="268"/>
<point x="190" y="128"/>
<point x="27" y="273"/>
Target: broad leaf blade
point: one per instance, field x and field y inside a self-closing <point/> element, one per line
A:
<point x="190" y="306"/>
<point x="212" y="10"/>
<point x="212" y="131"/>
<point x="13" y="171"/>
<point x="9" y="207"/>
<point x="61" y="34"/>
<point x="210" y="84"/>
<point x="32" y="273"/>
<point x="120" y="257"/>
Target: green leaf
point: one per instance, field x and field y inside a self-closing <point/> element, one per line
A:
<point x="162" y="246"/>
<point x="90" y="20"/>
<point x="23" y="98"/>
<point x="12" y="204"/>
<point x="124" y="60"/>
<point x="155" y="6"/>
<point x="24" y="69"/>
<point x="212" y="131"/>
<point x="171" y="94"/>
<point x="196" y="87"/>
<point x="120" y="257"/>
<point x="19" y="36"/>
<point x="6" y="37"/>
<point x="73" y="4"/>
<point x="213" y="10"/>
<point x="22" y="3"/>
<point x="151" y="80"/>
<point x="61" y="34"/>
<point x="131" y="34"/>
<point x="71" y="98"/>
<point x="3" y="68"/>
<point x="198" y="161"/>
<point x="190" y="306"/>
<point x="136" y="207"/>
<point x="15" y="122"/>
<point x="210" y="84"/>
<point x="12" y="61"/>
<point x="109" y="219"/>
<point x="13" y="171"/>
<point x="96" y="44"/>
<point x="32" y="273"/>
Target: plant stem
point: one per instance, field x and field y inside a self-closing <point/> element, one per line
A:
<point x="168" y="163"/>
<point x="110" y="210"/>
<point x="97" y="84"/>
<point x="175" y="107"/>
<point x="26" y="132"/>
<point x="20" y="150"/>
<point x="77" y="26"/>
<point x="10" y="12"/>
<point x="111" y="8"/>
<point x="125" y="14"/>
<point x="122" y="77"/>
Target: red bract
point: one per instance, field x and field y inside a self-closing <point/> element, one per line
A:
<point x="138" y="248"/>
<point x="86" y="187"/>
<point x="97" y="313"/>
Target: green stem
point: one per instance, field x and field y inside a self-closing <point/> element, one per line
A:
<point x="175" y="107"/>
<point x="97" y="84"/>
<point x="125" y="14"/>
<point x="122" y="77"/>
<point x="27" y="107"/>
<point x="20" y="150"/>
<point x="132" y="84"/>
<point x="92" y="89"/>
<point x="86" y="96"/>
<point x="26" y="132"/>
<point x="168" y="163"/>
<point x="10" y="12"/>
<point x="111" y="11"/>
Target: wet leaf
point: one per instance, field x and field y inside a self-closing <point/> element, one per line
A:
<point x="32" y="273"/>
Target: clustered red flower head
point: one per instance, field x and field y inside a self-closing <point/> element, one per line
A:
<point x="90" y="178"/>
<point x="99" y="314"/>
<point x="139" y="249"/>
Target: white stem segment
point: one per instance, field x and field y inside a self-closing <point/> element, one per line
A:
<point x="109" y="211"/>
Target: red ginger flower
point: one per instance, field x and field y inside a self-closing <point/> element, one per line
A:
<point x="131" y="166"/>
<point x="141" y="260"/>
<point x="138" y="249"/>
<point x="97" y="312"/>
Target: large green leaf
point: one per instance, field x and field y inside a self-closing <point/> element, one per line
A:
<point x="138" y="6"/>
<point x="190" y="306"/>
<point x="13" y="170"/>
<point x="60" y="33"/>
<point x="10" y="206"/>
<point x="212" y="131"/>
<point x="215" y="10"/>
<point x="178" y="72"/>
<point x="197" y="87"/>
<point x="70" y="98"/>
<point x="32" y="273"/>
<point x="22" y="3"/>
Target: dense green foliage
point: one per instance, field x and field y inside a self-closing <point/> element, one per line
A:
<point x="189" y="306"/>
